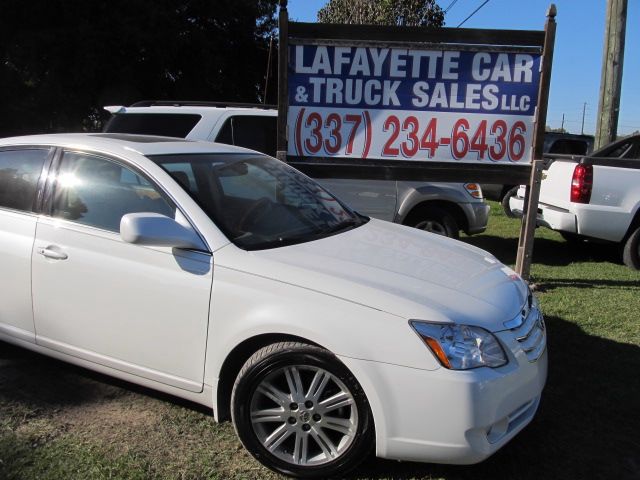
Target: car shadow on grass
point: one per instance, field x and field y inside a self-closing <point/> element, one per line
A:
<point x="548" y="252"/>
<point x="43" y="384"/>
<point x="587" y="426"/>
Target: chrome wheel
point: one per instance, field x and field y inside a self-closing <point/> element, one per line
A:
<point x="304" y="415"/>
<point x="432" y="226"/>
<point x="433" y="219"/>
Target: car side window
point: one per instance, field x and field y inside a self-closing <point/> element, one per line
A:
<point x="19" y="174"/>
<point x="635" y="150"/>
<point x="95" y="191"/>
<point x="618" y="151"/>
<point x="250" y="131"/>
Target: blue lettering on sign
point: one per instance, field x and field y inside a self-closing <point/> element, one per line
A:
<point x="407" y="79"/>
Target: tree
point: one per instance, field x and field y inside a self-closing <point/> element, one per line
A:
<point x="62" y="60"/>
<point x="548" y="128"/>
<point x="383" y="12"/>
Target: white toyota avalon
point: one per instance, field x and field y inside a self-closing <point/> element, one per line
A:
<point x="223" y="276"/>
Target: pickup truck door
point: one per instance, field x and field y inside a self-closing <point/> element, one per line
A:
<point x="137" y="309"/>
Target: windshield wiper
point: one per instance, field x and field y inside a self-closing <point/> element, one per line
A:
<point x="345" y="225"/>
<point x="310" y="236"/>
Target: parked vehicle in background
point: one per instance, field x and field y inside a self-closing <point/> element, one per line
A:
<point x="554" y="142"/>
<point x="443" y="208"/>
<point x="228" y="278"/>
<point x="595" y="197"/>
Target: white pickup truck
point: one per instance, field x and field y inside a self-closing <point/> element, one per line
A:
<point x="595" y="197"/>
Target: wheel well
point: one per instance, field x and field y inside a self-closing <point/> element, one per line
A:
<point x="452" y="208"/>
<point x="236" y="359"/>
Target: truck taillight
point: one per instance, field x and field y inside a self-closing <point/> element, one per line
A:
<point x="582" y="183"/>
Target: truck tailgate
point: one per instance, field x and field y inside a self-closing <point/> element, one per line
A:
<point x="555" y="189"/>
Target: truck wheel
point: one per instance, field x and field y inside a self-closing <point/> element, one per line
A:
<point x="572" y="238"/>
<point x="505" y="202"/>
<point x="299" y="411"/>
<point x="631" y="250"/>
<point x="434" y="220"/>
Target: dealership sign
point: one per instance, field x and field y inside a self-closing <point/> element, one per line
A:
<point x="393" y="103"/>
<point x="417" y="103"/>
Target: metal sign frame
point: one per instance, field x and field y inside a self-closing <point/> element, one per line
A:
<point x="525" y="41"/>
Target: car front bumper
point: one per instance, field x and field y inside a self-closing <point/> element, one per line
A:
<point x="477" y="216"/>
<point x="451" y="417"/>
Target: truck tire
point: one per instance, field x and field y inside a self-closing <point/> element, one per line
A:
<point x="505" y="202"/>
<point x="572" y="238"/>
<point x="631" y="250"/>
<point x="435" y="220"/>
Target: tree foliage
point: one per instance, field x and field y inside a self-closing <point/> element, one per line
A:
<point x="383" y="12"/>
<point x="62" y="60"/>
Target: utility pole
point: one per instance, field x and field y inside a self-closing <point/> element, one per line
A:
<point x="611" y="80"/>
<point x="562" y="125"/>
<point x="584" y="109"/>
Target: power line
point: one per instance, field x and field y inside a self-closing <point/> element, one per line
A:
<point x="473" y="13"/>
<point x="450" y="5"/>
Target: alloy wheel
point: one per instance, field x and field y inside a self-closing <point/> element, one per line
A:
<point x="304" y="415"/>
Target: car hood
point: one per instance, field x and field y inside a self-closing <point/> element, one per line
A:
<point x="400" y="270"/>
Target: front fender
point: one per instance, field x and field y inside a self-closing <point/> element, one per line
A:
<point x="244" y="305"/>
<point x="411" y="194"/>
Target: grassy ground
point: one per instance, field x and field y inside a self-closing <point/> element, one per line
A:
<point x="59" y="422"/>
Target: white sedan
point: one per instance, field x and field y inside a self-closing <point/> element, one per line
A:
<point x="225" y="277"/>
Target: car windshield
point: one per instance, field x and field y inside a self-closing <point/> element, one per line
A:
<point x="257" y="201"/>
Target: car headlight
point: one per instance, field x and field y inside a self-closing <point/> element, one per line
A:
<point x="461" y="347"/>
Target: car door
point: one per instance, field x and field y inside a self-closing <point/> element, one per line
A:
<point x="133" y="308"/>
<point x="20" y="171"/>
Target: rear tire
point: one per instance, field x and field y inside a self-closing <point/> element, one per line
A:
<point x="435" y="220"/>
<point x="631" y="250"/>
<point x="300" y="412"/>
<point x="505" y="202"/>
<point x="572" y="238"/>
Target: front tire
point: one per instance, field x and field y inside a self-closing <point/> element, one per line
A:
<point x="631" y="250"/>
<point x="435" y="220"/>
<point x="299" y="411"/>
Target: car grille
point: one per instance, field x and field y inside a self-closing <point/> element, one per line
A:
<point x="529" y="330"/>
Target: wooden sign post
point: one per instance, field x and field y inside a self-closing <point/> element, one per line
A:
<point x="417" y="103"/>
<point x="532" y="195"/>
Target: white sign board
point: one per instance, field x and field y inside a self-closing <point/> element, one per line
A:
<point x="408" y="104"/>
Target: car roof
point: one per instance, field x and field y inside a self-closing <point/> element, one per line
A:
<point x="192" y="109"/>
<point x="121" y="144"/>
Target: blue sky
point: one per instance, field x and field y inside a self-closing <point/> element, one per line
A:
<point x="577" y="57"/>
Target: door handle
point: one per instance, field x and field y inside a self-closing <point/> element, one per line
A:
<point x="53" y="252"/>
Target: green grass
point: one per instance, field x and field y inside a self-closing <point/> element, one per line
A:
<point x="61" y="422"/>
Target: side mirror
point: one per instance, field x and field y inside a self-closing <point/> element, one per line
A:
<point x="157" y="230"/>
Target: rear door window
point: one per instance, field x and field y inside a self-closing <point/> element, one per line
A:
<point x="19" y="174"/>
<point x="164" y="124"/>
<point x="250" y="131"/>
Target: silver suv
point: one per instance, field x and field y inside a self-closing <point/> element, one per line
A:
<point x="443" y="208"/>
